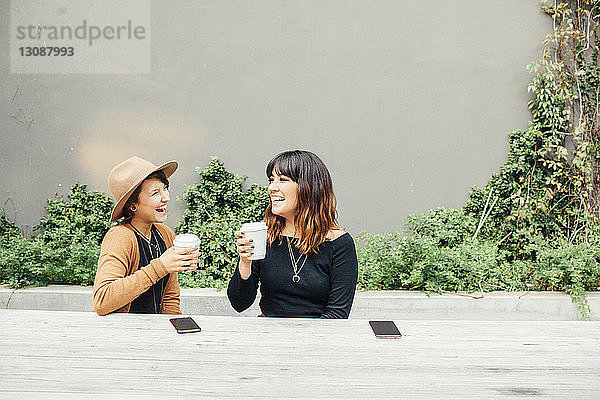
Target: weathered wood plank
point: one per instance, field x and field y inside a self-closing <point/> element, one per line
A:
<point x="67" y="354"/>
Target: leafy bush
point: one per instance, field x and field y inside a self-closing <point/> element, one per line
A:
<point x="573" y="268"/>
<point x="7" y="228"/>
<point x="86" y="213"/>
<point x="448" y="227"/>
<point x="67" y="246"/>
<point x="8" y="231"/>
<point x="416" y="260"/>
<point x="216" y="208"/>
<point x="32" y="262"/>
<point x="435" y="254"/>
<point x="397" y="261"/>
<point x="18" y="261"/>
<point x="409" y="261"/>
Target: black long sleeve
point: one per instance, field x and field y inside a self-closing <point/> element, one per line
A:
<point x="241" y="293"/>
<point x="325" y="290"/>
<point x="344" y="274"/>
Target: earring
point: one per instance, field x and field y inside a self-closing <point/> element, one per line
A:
<point x="133" y="208"/>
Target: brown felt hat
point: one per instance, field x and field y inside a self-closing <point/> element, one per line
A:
<point x="125" y="177"/>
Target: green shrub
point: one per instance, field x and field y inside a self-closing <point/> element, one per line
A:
<point x="216" y="208"/>
<point x="382" y="261"/>
<point x="86" y="213"/>
<point x="66" y="247"/>
<point x="447" y="227"/>
<point x="7" y="228"/>
<point x="17" y="257"/>
<point x="8" y="232"/>
<point x="475" y="265"/>
<point x="573" y="268"/>
<point x="417" y="262"/>
<point x="32" y="262"/>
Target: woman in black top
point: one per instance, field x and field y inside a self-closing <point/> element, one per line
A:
<point x="310" y="269"/>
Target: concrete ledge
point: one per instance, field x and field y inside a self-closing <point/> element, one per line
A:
<point x="524" y="306"/>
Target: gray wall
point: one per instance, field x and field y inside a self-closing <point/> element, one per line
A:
<point x="408" y="102"/>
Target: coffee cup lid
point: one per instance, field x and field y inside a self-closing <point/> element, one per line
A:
<point x="254" y="226"/>
<point x="186" y="240"/>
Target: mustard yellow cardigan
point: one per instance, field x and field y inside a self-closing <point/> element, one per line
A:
<point x="119" y="281"/>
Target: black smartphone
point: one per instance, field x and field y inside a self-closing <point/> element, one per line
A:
<point x="185" y="325"/>
<point x="385" y="329"/>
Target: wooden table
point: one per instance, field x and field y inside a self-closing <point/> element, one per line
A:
<point x="53" y="354"/>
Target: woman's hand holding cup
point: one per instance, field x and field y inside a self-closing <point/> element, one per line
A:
<point x="190" y="243"/>
<point x="251" y="245"/>
<point x="177" y="259"/>
<point x="245" y="249"/>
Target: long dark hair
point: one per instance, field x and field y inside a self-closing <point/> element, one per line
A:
<point x="316" y="213"/>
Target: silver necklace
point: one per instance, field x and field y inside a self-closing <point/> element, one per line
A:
<point x="155" y="247"/>
<point x="151" y="246"/>
<point x="296" y="277"/>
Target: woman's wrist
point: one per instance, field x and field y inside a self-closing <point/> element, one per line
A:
<point x="245" y="269"/>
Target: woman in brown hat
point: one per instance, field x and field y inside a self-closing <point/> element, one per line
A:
<point x="137" y="268"/>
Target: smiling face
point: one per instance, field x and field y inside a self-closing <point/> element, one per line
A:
<point x="151" y="205"/>
<point x="284" y="196"/>
<point x="302" y="201"/>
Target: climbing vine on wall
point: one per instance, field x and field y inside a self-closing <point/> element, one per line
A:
<point x="572" y="56"/>
<point x="550" y="185"/>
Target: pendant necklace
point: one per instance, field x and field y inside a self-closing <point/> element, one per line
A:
<point x="156" y="248"/>
<point x="151" y="246"/>
<point x="296" y="277"/>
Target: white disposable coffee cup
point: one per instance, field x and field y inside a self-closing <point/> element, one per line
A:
<point x="257" y="231"/>
<point x="184" y="240"/>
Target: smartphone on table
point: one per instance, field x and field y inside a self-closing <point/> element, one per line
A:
<point x="185" y="325"/>
<point x="385" y="329"/>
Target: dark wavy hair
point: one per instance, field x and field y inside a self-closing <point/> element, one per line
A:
<point x="316" y="213"/>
